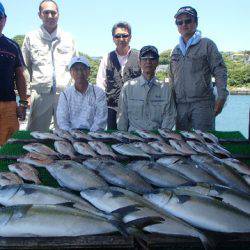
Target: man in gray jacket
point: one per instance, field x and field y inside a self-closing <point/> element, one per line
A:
<point x="193" y="62"/>
<point x="47" y="53"/>
<point x="145" y="102"/>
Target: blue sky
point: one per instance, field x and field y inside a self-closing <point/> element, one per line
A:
<point x="226" y="22"/>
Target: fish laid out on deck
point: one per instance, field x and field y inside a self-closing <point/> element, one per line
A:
<point x="161" y="182"/>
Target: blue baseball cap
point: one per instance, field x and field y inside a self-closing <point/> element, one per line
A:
<point x="2" y="11"/>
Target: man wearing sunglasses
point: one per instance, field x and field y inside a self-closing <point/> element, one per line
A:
<point x="145" y="102"/>
<point x="116" y="68"/>
<point x="47" y="53"/>
<point x="193" y="63"/>
<point x="11" y="69"/>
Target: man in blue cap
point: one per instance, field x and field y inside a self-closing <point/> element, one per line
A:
<point x="193" y="63"/>
<point x="11" y="68"/>
<point x="145" y="102"/>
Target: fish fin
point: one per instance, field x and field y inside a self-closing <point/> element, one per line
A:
<point x="143" y="222"/>
<point x="67" y="204"/>
<point x="120" y="226"/>
<point x="122" y="212"/>
<point x="207" y="241"/>
<point x="183" y="198"/>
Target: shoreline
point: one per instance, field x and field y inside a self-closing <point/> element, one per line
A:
<point x="239" y="91"/>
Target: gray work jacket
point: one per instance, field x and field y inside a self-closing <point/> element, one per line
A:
<point x="144" y="107"/>
<point x="191" y="74"/>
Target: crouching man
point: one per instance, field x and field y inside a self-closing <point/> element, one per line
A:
<point x="145" y="102"/>
<point x="83" y="105"/>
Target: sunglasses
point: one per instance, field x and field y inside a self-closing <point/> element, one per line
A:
<point x="185" y="21"/>
<point x="47" y="12"/>
<point x="121" y="36"/>
<point x="1" y="17"/>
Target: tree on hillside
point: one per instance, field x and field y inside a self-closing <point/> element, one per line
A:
<point x="19" y="39"/>
<point x="94" y="65"/>
<point x="165" y="57"/>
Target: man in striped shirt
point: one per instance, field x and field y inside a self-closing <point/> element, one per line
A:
<point x="83" y="105"/>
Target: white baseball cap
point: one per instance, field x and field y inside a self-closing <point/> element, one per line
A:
<point x="79" y="59"/>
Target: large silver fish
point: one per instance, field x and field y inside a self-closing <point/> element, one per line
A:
<point x="126" y="136"/>
<point x="116" y="174"/>
<point x="104" y="136"/>
<point x="237" y="165"/>
<point x="208" y="136"/>
<point x="192" y="171"/>
<point x="40" y="149"/>
<point x="80" y="135"/>
<point x="171" y="159"/>
<point x="22" y="194"/>
<point x="109" y="200"/>
<point x="36" y="159"/>
<point x="129" y="150"/>
<point x="45" y="136"/>
<point x="193" y="136"/>
<point x="25" y="171"/>
<point x="102" y="149"/>
<point x="199" y="147"/>
<point x="228" y="176"/>
<point x="217" y="149"/>
<point x="50" y="221"/>
<point x="8" y="178"/>
<point x="147" y="148"/>
<point x="65" y="148"/>
<point x="158" y="175"/>
<point x="226" y="195"/>
<point x="202" y="212"/>
<point x="147" y="135"/>
<point x="164" y="148"/>
<point x="74" y="176"/>
<point x="182" y="147"/>
<point x="169" y="134"/>
<point x="84" y="149"/>
<point x="63" y="134"/>
<point x="171" y="225"/>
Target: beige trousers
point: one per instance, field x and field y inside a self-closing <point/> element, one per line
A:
<point x="42" y="110"/>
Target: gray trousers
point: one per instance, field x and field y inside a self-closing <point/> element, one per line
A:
<point x="43" y="108"/>
<point x="196" y="115"/>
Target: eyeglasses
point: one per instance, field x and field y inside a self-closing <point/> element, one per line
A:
<point x="185" y="21"/>
<point x="47" y="12"/>
<point x="145" y="58"/>
<point x="121" y="36"/>
<point x="1" y="17"/>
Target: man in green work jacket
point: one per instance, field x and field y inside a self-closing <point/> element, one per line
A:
<point x="145" y="102"/>
<point x="193" y="62"/>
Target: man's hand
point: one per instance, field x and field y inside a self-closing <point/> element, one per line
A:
<point x="219" y="104"/>
<point x="21" y="113"/>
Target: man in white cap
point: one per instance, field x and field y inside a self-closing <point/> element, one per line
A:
<point x="83" y="105"/>
<point x="47" y="53"/>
